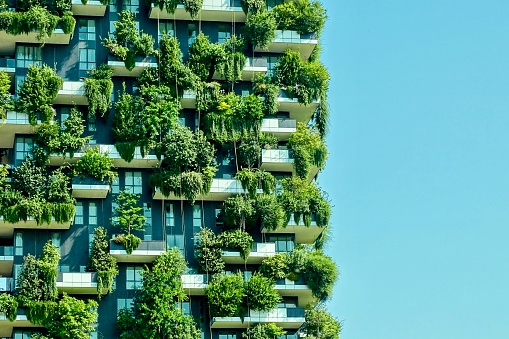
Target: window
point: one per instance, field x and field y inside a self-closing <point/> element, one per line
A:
<point x="92" y="127"/>
<point x="113" y="7"/>
<point x="197" y="218"/>
<point x="273" y="3"/>
<point x="245" y="90"/>
<point x="55" y="239"/>
<point x="227" y="335"/>
<point x="64" y="268"/>
<point x="28" y="55"/>
<point x="78" y="217"/>
<point x="247" y="275"/>
<point x="133" y="182"/>
<point x="290" y="302"/>
<point x="147" y="212"/>
<point x="64" y="114"/>
<point x="185" y="307"/>
<point x="92" y="213"/>
<point x="134" y="277"/>
<point x="114" y="205"/>
<point x="191" y="34"/>
<point x="132" y="5"/>
<point x="87" y="59"/>
<point x="175" y="240"/>
<point x="169" y="215"/>
<point x="86" y="29"/>
<point x="166" y="27"/>
<point x="115" y="186"/>
<point x="124" y="303"/>
<point x="271" y="65"/>
<point x="23" y="147"/>
<point x="224" y="33"/>
<point x="18" y="243"/>
<point x="196" y="122"/>
<point x="284" y="243"/>
<point x="182" y="121"/>
<point x="219" y="222"/>
<point x="23" y="334"/>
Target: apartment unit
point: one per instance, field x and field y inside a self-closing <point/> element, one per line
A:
<point x="171" y="220"/>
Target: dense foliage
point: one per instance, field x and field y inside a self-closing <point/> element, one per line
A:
<point x="320" y="324"/>
<point x="154" y="314"/>
<point x="187" y="166"/>
<point x="8" y="306"/>
<point x="101" y="261"/>
<point x="193" y="7"/>
<point x="207" y="251"/>
<point x="126" y="43"/>
<point x="237" y="240"/>
<point x="308" y="148"/>
<point x="261" y="294"/>
<point x="253" y="6"/>
<point x="263" y="331"/>
<point x="252" y="179"/>
<point x="98" y="90"/>
<point x="6" y="103"/>
<point x="37" y="93"/>
<point x="303" y="16"/>
<point x="259" y="29"/>
<point x="128" y="216"/>
<point x="226" y="296"/>
<point x="96" y="165"/>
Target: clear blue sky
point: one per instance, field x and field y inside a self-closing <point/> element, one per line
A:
<point x="419" y="167"/>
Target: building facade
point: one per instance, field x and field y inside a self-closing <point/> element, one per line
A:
<point x="171" y="221"/>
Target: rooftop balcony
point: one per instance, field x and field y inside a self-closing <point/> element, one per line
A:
<point x="72" y="93"/>
<point x="303" y="234"/>
<point x="6" y="326"/>
<point x="298" y="111"/>
<point x="220" y="190"/>
<point x="89" y="188"/>
<point x="8" y="45"/>
<point x="288" y="288"/>
<point x="6" y="260"/>
<point x="6" y="284"/>
<point x="281" y="160"/>
<point x="287" y="318"/>
<point x="212" y="10"/>
<point x="194" y="284"/>
<point x="78" y="283"/>
<point x="8" y="65"/>
<point x="302" y="43"/>
<point x="16" y="123"/>
<point x="259" y="252"/>
<point x="139" y="161"/>
<point x="7" y="228"/>
<point x="282" y="128"/>
<point x="253" y="68"/>
<point x="147" y="252"/>
<point x="92" y="8"/>
<point x="119" y="69"/>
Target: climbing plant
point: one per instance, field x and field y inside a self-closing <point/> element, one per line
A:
<point x="252" y="179"/>
<point x="98" y="90"/>
<point x="101" y="261"/>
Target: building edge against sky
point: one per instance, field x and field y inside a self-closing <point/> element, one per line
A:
<point x="131" y="128"/>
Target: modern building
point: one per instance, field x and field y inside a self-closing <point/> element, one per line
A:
<point x="171" y="221"/>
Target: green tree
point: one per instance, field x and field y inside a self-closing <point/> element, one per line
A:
<point x="226" y="296"/>
<point x="154" y="314"/>
<point x="259" y="29"/>
<point x="101" y="261"/>
<point x="128" y="214"/>
<point x="261" y="294"/>
<point x="320" y="324"/>
<point x="72" y="319"/>
<point x="207" y="251"/>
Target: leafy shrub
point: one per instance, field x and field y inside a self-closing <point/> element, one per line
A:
<point x="263" y="86"/>
<point x="251" y="179"/>
<point x="101" y="261"/>
<point x="6" y="103"/>
<point x="308" y="149"/>
<point x="264" y="331"/>
<point x="96" y="165"/>
<point x="226" y="296"/>
<point x="261" y="294"/>
<point x="275" y="267"/>
<point x="8" y="306"/>
<point x="207" y="251"/>
<point x="238" y="240"/>
<point x="238" y="212"/>
<point x="321" y="324"/>
<point x="303" y="16"/>
<point x="253" y="6"/>
<point x="320" y="274"/>
<point x="131" y="242"/>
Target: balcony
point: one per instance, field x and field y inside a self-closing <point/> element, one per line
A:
<point x="92" y="8"/>
<point x="119" y="69"/>
<point x="6" y="284"/>
<point x="147" y="252"/>
<point x="7" y="228"/>
<point x="8" y="65"/>
<point x="282" y="128"/>
<point x="303" y="234"/>
<point x="253" y="68"/>
<point x="194" y="284"/>
<point x="188" y="99"/>
<point x="89" y="188"/>
<point x="287" y="318"/>
<point x="139" y="161"/>
<point x="6" y="260"/>
<point x="298" y="111"/>
<point x="288" y="288"/>
<point x="281" y="160"/>
<point x="6" y="326"/>
<point x="16" y="123"/>
<point x="220" y="190"/>
<point x="8" y="45"/>
<point x="72" y="93"/>
<point x="302" y="43"/>
<point x="259" y="252"/>
<point x="78" y="283"/>
<point x="212" y="10"/>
